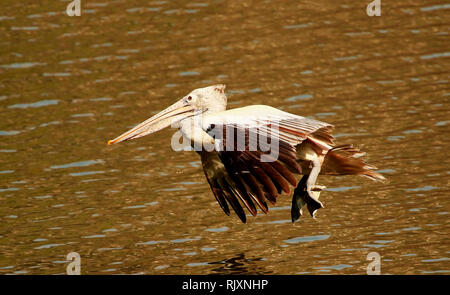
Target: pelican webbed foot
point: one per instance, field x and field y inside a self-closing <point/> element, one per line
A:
<point x="306" y="196"/>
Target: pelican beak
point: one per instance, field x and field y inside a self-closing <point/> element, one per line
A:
<point x="173" y="114"/>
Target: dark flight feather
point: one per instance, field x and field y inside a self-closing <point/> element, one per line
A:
<point x="238" y="177"/>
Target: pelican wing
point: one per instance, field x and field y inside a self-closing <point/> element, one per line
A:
<point x="265" y="121"/>
<point x="237" y="172"/>
<point x="223" y="186"/>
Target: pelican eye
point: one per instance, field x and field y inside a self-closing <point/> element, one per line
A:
<point x="189" y="98"/>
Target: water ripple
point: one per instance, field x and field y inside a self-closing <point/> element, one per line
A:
<point x="38" y="104"/>
<point x="78" y="164"/>
<point x="306" y="239"/>
<point x="23" y="65"/>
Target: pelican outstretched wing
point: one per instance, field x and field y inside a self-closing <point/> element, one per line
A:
<point x="244" y="172"/>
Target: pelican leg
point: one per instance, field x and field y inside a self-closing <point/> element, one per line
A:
<point x="312" y="189"/>
<point x="307" y="191"/>
<point x="311" y="182"/>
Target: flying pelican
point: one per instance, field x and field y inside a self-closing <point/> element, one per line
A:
<point x="271" y="147"/>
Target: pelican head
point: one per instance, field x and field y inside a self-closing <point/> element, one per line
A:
<point x="198" y="101"/>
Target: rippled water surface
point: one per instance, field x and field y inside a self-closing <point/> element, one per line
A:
<point x="68" y="84"/>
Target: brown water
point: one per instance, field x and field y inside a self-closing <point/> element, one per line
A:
<point x="68" y="84"/>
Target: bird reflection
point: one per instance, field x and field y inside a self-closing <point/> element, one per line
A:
<point x="239" y="265"/>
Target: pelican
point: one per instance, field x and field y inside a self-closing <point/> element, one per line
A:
<point x="251" y="155"/>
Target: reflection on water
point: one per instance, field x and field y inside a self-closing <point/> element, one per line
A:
<point x="67" y="85"/>
<point x="238" y="264"/>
